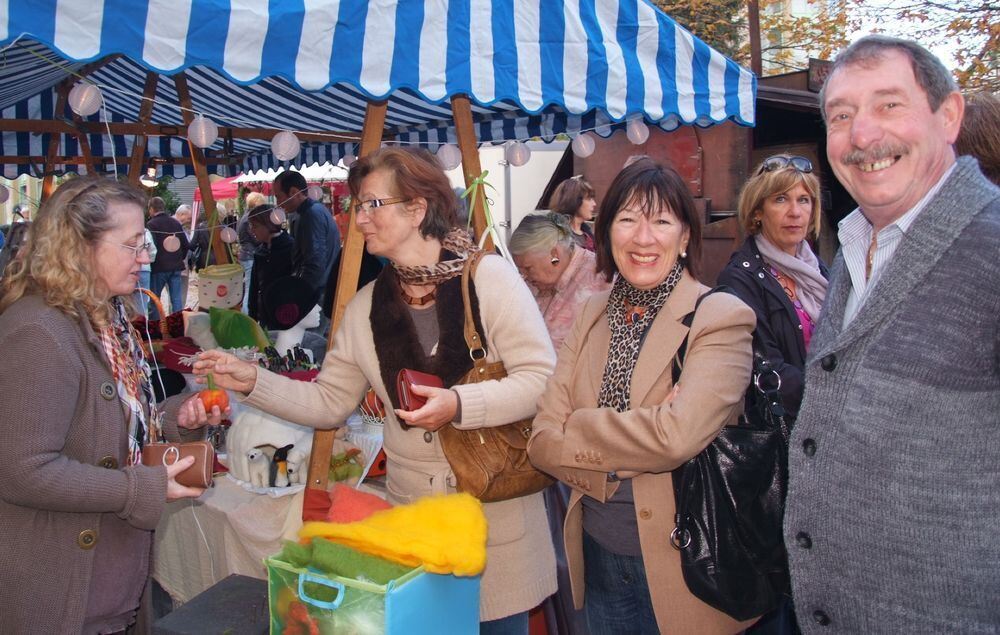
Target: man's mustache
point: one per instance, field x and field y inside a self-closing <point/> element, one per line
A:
<point x="874" y="154"/>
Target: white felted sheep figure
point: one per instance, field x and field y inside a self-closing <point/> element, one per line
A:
<point x="298" y="467"/>
<point x="252" y="429"/>
<point x="258" y="466"/>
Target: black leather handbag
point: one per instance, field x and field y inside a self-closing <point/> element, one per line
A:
<point x="730" y="502"/>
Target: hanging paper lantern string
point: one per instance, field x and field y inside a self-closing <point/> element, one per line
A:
<point x="450" y="156"/>
<point x="278" y="216"/>
<point x="228" y="235"/>
<point x="518" y="153"/>
<point x="349" y="159"/>
<point x="637" y="131"/>
<point x="203" y="132"/>
<point x="583" y="146"/>
<point x="315" y="192"/>
<point x="85" y="99"/>
<point x="285" y="146"/>
<point x="171" y="243"/>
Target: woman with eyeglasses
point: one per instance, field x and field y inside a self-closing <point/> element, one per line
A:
<point x="412" y="316"/>
<point x="77" y="507"/>
<point x="777" y="274"/>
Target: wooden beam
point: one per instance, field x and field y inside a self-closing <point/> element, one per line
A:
<point x="347" y="287"/>
<point x="161" y="130"/>
<point x="222" y="253"/>
<point x="461" y="110"/>
<point x="49" y="182"/>
<point x="139" y="143"/>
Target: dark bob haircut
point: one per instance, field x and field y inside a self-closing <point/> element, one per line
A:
<point x="649" y="185"/>
<point x="261" y="215"/>
<point x="415" y="173"/>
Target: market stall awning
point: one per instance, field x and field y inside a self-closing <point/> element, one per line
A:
<point x="222" y="189"/>
<point x="532" y="68"/>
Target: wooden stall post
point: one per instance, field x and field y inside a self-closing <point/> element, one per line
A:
<point x="347" y="286"/>
<point x="222" y="254"/>
<point x="139" y="142"/>
<point x="461" y="110"/>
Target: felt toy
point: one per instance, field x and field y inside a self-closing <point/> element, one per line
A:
<point x="348" y="505"/>
<point x="233" y="329"/>
<point x="446" y="534"/>
<point x="199" y="329"/>
<point x="346" y="465"/>
<point x="298" y="467"/>
<point x="296" y="554"/>
<point x="288" y="301"/>
<point x="213" y="396"/>
<point x="254" y="428"/>
<point x="258" y="468"/>
<point x="279" y="466"/>
<point x="336" y="559"/>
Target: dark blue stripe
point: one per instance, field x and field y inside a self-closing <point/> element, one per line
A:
<point x="700" y="76"/>
<point x="348" y="41"/>
<point x="405" y="59"/>
<point x="284" y="30"/>
<point x="627" y="34"/>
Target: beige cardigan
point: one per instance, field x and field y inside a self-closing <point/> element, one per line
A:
<point x="520" y="569"/>
<point x="579" y="443"/>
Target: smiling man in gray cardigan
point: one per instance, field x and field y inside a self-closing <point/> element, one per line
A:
<point x="894" y="497"/>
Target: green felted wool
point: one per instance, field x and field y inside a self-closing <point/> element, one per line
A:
<point x="233" y="329"/>
<point x="296" y="554"/>
<point x="336" y="559"/>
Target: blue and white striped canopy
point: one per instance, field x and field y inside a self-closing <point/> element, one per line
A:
<point x="532" y="68"/>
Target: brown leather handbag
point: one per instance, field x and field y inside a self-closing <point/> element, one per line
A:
<point x="489" y="463"/>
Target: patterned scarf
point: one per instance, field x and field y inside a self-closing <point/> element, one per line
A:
<point x="631" y="312"/>
<point x="456" y="241"/>
<point x="131" y="372"/>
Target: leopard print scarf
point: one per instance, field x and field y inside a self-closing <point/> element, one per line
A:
<point x="627" y="334"/>
<point x="456" y="241"/>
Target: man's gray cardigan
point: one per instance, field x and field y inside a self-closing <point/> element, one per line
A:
<point x="893" y="515"/>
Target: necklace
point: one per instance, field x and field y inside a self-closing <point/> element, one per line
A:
<point x="421" y="301"/>
<point x="789" y="286"/>
<point x="634" y="313"/>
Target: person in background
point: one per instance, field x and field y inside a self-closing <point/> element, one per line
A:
<point x="412" y="316"/>
<point x="271" y="261"/>
<point x="205" y="254"/>
<point x="183" y="216"/>
<point x="317" y="240"/>
<point x="248" y="244"/>
<point x="576" y="200"/>
<point x="77" y="507"/>
<point x="17" y="235"/>
<point x="562" y="275"/>
<point x="141" y="300"/>
<point x="979" y="136"/>
<point x="775" y="270"/>
<point x="891" y="514"/>
<point x="611" y="425"/>
<point x="167" y="267"/>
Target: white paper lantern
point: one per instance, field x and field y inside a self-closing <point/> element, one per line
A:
<point x="348" y="159"/>
<point x="518" y="153"/>
<point x="637" y="131"/>
<point x="203" y="132"/>
<point x="85" y="99"/>
<point x="315" y="192"/>
<point x="4" y="193"/>
<point x="228" y="235"/>
<point x="450" y="156"/>
<point x="278" y="216"/>
<point x="171" y="243"/>
<point x="285" y="146"/>
<point x="583" y="146"/>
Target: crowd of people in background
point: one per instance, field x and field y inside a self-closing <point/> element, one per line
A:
<point x="888" y="359"/>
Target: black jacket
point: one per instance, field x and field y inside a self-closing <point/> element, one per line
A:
<point x="161" y="226"/>
<point x="778" y="334"/>
<point x="269" y="264"/>
<point x="202" y="254"/>
<point x="317" y="243"/>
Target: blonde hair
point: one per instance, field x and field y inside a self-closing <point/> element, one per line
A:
<point x="58" y="260"/>
<point x="766" y="184"/>
<point x="254" y="199"/>
<point x="542" y="232"/>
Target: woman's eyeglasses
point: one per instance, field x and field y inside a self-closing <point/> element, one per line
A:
<point x="781" y="162"/>
<point x="146" y="248"/>
<point x="375" y="203"/>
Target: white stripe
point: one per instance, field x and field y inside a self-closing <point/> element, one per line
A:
<point x="575" y="63"/>
<point x="745" y="93"/>
<point x="434" y="50"/>
<point x="245" y="38"/>
<point x="376" y="52"/>
<point x="647" y="48"/>
<point x="683" y="56"/>
<point x="5" y="19"/>
<point x="717" y="85"/>
<point x="78" y="28"/>
<point x="165" y="44"/>
<point x="312" y="62"/>
<point x="617" y="87"/>
<point x="481" y="45"/>
<point x="529" y="60"/>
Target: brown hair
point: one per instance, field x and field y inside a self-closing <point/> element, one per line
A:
<point x="261" y="216"/>
<point x="649" y="184"/>
<point x="416" y="173"/>
<point x="58" y="262"/>
<point x="570" y="194"/>
<point x="765" y="184"/>
<point x="980" y="133"/>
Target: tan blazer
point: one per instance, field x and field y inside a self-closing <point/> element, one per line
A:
<point x="579" y="443"/>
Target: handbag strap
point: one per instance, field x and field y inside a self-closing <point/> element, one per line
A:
<point x="472" y="339"/>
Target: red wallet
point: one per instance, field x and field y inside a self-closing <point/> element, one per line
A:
<point x="406" y="378"/>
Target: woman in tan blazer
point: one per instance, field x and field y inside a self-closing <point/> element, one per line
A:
<point x="612" y="426"/>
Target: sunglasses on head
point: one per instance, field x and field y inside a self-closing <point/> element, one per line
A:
<point x="780" y="162"/>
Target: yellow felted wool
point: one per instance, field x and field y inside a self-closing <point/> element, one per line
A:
<point x="446" y="534"/>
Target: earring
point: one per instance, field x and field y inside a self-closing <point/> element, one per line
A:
<point x="684" y="254"/>
<point x="758" y="223"/>
<point x="554" y="260"/>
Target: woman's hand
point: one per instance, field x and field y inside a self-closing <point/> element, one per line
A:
<point x="192" y="414"/>
<point x="175" y="490"/>
<point x="228" y="371"/>
<point x="440" y="409"/>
